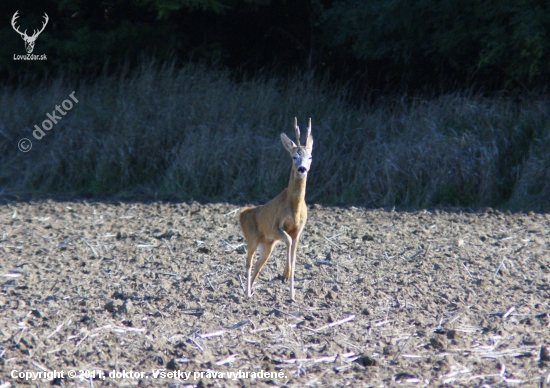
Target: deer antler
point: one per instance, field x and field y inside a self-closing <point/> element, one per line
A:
<point x="308" y="131"/>
<point x="297" y="129"/>
<point x="15" y="16"/>
<point x="35" y="33"/>
<point x="43" y="25"/>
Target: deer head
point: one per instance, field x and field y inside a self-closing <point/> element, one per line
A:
<point x="29" y="40"/>
<point x="301" y="155"/>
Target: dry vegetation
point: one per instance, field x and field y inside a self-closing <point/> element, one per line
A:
<point x="194" y="133"/>
<point x="384" y="298"/>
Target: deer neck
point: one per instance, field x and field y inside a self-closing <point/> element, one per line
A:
<point x="296" y="187"/>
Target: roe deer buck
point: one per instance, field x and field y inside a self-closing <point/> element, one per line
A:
<point x="282" y="218"/>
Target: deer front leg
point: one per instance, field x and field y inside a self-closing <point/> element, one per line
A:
<point x="288" y="241"/>
<point x="293" y="261"/>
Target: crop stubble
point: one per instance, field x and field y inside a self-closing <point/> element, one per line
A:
<point x="383" y="297"/>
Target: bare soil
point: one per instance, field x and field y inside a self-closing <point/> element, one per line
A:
<point x="383" y="297"/>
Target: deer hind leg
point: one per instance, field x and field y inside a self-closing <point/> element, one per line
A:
<point x="251" y="248"/>
<point x="265" y="252"/>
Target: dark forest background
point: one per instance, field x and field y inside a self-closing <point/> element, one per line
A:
<point x="383" y="45"/>
<point x="413" y="103"/>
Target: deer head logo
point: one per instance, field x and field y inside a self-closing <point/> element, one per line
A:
<point x="29" y="40"/>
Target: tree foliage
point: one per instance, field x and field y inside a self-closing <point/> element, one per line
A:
<point x="393" y="43"/>
<point x="506" y="42"/>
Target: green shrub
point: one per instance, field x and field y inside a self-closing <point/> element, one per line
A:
<point x="507" y="42"/>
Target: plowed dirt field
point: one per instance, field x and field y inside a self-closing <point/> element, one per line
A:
<point x="151" y="294"/>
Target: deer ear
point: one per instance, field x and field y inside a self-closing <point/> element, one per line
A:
<point x="287" y="143"/>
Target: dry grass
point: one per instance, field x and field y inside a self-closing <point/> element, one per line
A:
<point x="197" y="133"/>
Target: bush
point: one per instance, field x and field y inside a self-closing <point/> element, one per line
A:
<point x="503" y="44"/>
<point x="196" y="133"/>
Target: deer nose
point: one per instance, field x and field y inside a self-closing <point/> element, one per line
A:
<point x="302" y="170"/>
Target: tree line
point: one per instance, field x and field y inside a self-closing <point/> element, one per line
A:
<point x="386" y="45"/>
